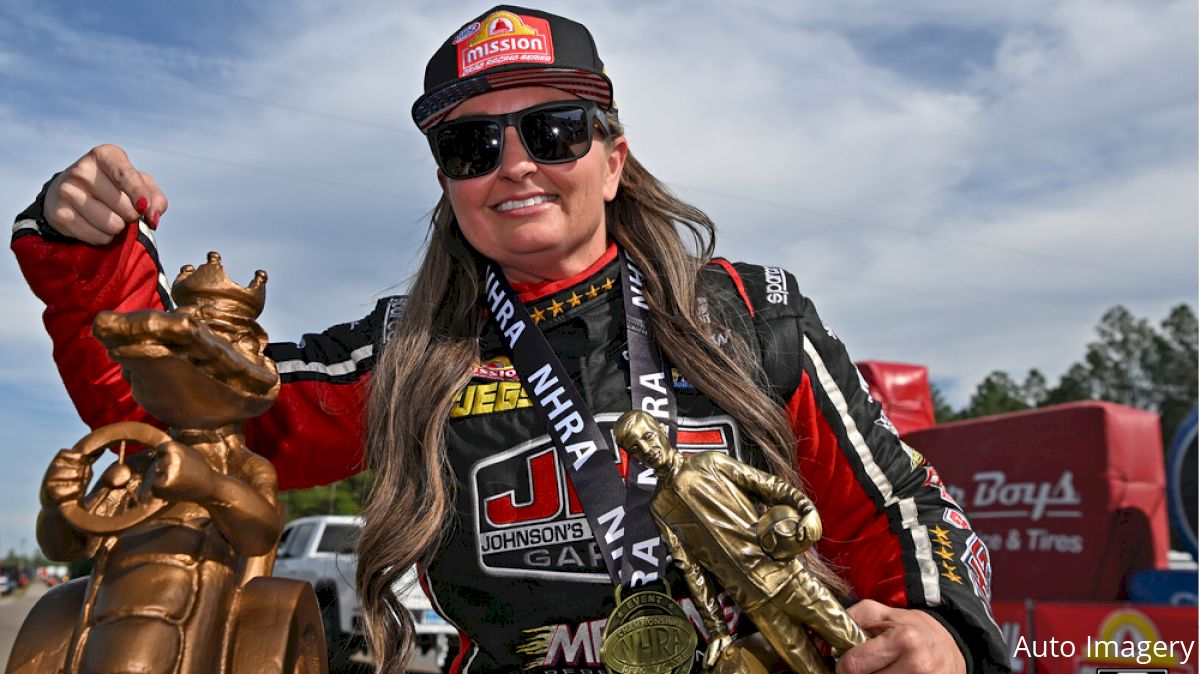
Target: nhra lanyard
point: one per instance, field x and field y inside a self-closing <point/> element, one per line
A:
<point x="619" y="515"/>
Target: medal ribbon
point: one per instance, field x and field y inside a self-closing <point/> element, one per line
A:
<point x="651" y="391"/>
<point x="619" y="517"/>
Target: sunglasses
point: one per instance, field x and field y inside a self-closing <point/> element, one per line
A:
<point x="552" y="133"/>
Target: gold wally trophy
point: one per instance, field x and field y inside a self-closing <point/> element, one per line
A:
<point x="710" y="511"/>
<point x="182" y="535"/>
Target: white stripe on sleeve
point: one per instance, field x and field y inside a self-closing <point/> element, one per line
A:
<point x="908" y="510"/>
<point x="333" y="370"/>
<point x="163" y="284"/>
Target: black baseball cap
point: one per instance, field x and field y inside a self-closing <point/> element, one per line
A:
<point x="509" y="46"/>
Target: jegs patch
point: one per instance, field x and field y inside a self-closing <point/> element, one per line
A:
<point x="489" y="397"/>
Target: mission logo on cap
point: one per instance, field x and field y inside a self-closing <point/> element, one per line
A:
<point x="512" y="47"/>
<point x="503" y="38"/>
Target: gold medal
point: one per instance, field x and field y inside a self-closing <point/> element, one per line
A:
<point x="648" y="634"/>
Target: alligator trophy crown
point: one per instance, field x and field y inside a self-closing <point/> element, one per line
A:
<point x="208" y="294"/>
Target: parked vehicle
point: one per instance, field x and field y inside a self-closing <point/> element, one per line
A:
<point x="14" y="577"/>
<point x="320" y="550"/>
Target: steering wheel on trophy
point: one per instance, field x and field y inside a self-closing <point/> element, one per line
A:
<point x="85" y="513"/>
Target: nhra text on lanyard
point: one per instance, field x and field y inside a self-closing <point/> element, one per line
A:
<point x="620" y="517"/>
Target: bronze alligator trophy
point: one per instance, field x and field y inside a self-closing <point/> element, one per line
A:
<point x="182" y="535"/>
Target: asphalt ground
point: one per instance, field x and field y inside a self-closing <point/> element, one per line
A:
<point x="12" y="613"/>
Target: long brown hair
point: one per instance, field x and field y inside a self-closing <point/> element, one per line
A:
<point x="436" y="345"/>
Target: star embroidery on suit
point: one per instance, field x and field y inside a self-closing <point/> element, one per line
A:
<point x="950" y="573"/>
<point x="574" y="300"/>
<point x="945" y="553"/>
<point x="556" y="308"/>
<point x="941" y="534"/>
<point x="608" y="284"/>
<point x="592" y="293"/>
<point x="538" y="316"/>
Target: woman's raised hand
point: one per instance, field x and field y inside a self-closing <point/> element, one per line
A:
<point x="101" y="194"/>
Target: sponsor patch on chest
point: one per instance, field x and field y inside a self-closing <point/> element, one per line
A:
<point x="489" y="397"/>
<point x="530" y="522"/>
<point x="574" y="648"/>
<point x="497" y="368"/>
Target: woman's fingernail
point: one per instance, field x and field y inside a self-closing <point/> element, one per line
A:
<point x="141" y="204"/>
<point x="154" y="220"/>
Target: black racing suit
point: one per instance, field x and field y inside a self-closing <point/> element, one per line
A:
<point x="520" y="574"/>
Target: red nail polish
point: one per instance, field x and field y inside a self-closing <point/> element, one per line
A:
<point x="141" y="204"/>
<point x="154" y="220"/>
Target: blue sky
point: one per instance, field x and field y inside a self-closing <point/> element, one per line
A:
<point x="967" y="186"/>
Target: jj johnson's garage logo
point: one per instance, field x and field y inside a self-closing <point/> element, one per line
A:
<point x="538" y="529"/>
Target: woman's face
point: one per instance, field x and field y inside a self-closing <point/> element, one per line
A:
<point x="562" y="232"/>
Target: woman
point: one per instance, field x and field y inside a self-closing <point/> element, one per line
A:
<point x="556" y="292"/>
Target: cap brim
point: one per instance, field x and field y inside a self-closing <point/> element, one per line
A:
<point x="433" y="106"/>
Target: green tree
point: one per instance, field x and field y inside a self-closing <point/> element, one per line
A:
<point x="1075" y="384"/>
<point x="996" y="394"/>
<point x="1134" y="364"/>
<point x="344" y="497"/>
<point x="1033" y="389"/>
<point x="942" y="411"/>
<point x="1130" y="362"/>
<point x="1121" y="361"/>
<point x="1174" y="367"/>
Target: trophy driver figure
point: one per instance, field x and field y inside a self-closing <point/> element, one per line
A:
<point x="707" y="507"/>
